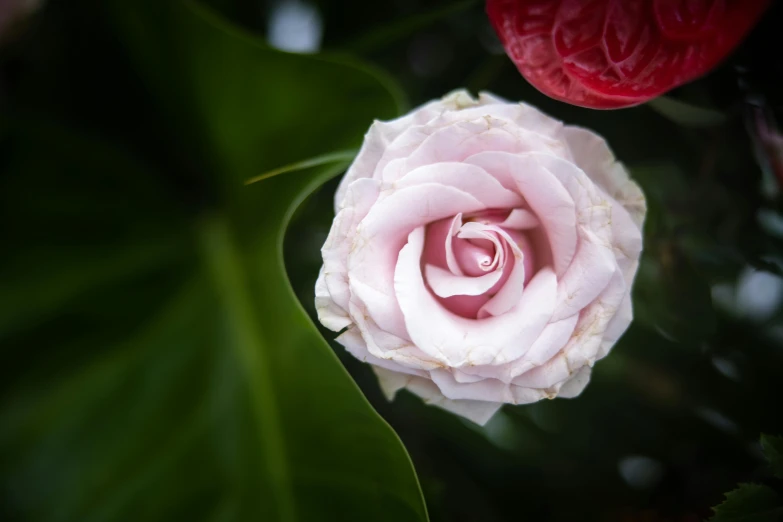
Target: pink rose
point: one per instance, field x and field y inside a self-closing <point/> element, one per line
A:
<point x="482" y="254"/>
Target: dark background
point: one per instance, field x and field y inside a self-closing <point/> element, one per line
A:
<point x="671" y="419"/>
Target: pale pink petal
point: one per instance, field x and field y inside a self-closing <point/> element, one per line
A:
<point x="385" y="345"/>
<point x="509" y="295"/>
<point x="354" y="344"/>
<point x="584" y="346"/>
<point x="620" y="322"/>
<point x="467" y="178"/>
<point x="359" y="198"/>
<point x="528" y="395"/>
<point x="474" y="410"/>
<point x="576" y="384"/>
<point x="550" y="373"/>
<point x="520" y="219"/>
<point x="592" y="154"/>
<point x="589" y="273"/>
<point x="383" y="136"/>
<point x="330" y="314"/>
<point x="446" y="284"/>
<point x="593" y="208"/>
<point x="626" y="242"/>
<point x="545" y="195"/>
<point x="463" y="138"/>
<point x="458" y="341"/>
<point x="381" y="235"/>
<point x="464" y="305"/>
<point x="484" y="390"/>
<point x="391" y="382"/>
<point x="435" y="246"/>
<point x="451" y="260"/>
<point x="475" y="259"/>
<point x="552" y="340"/>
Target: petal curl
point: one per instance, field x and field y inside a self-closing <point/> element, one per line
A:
<point x="476" y="411"/>
<point x="545" y="195"/>
<point x="457" y="341"/>
<point x="381" y="235"/>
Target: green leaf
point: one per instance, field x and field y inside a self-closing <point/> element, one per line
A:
<point x="249" y="118"/>
<point x="773" y="450"/>
<point x="749" y="503"/>
<point x="175" y="376"/>
<point x="686" y="114"/>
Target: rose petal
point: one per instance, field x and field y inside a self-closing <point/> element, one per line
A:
<point x="455" y="141"/>
<point x="384" y="345"/>
<point x="451" y="259"/>
<point x="354" y="343"/>
<point x="593" y="155"/>
<point x="509" y="295"/>
<point x="520" y="219"/>
<point x="483" y="390"/>
<point x="467" y="178"/>
<point x="589" y="273"/>
<point x="545" y="195"/>
<point x="382" y="136"/>
<point x="446" y="284"/>
<point x="330" y="314"/>
<point x="383" y="232"/>
<point x="477" y="411"/>
<point x="359" y="198"/>
<point x="576" y="384"/>
<point x="458" y="341"/>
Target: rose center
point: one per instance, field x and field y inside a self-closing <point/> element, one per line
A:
<point x="474" y="265"/>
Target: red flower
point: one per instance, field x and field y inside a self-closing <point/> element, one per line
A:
<point x="616" y="53"/>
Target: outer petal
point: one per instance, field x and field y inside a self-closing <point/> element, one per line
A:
<point x="360" y="197"/>
<point x="382" y="133"/>
<point x="589" y="273"/>
<point x="461" y="139"/>
<point x="477" y="411"/>
<point x="576" y="384"/>
<point x="387" y="346"/>
<point x="592" y="154"/>
<point x="329" y="314"/>
<point x="354" y="343"/>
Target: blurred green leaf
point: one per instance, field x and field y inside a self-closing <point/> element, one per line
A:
<point x="773" y="450"/>
<point x="179" y="377"/>
<point x="749" y="503"/>
<point x="670" y="295"/>
<point x="250" y="107"/>
<point x="380" y="37"/>
<point x="686" y="114"/>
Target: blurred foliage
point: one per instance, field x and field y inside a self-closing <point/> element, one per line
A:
<point x="150" y="344"/>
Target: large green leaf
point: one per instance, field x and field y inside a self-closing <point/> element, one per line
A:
<point x="161" y="368"/>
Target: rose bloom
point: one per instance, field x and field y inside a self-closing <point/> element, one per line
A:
<point x="482" y="253"/>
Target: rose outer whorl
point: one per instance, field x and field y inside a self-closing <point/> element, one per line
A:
<point x="482" y="253"/>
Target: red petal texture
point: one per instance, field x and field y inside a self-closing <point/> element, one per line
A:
<point x="606" y="54"/>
